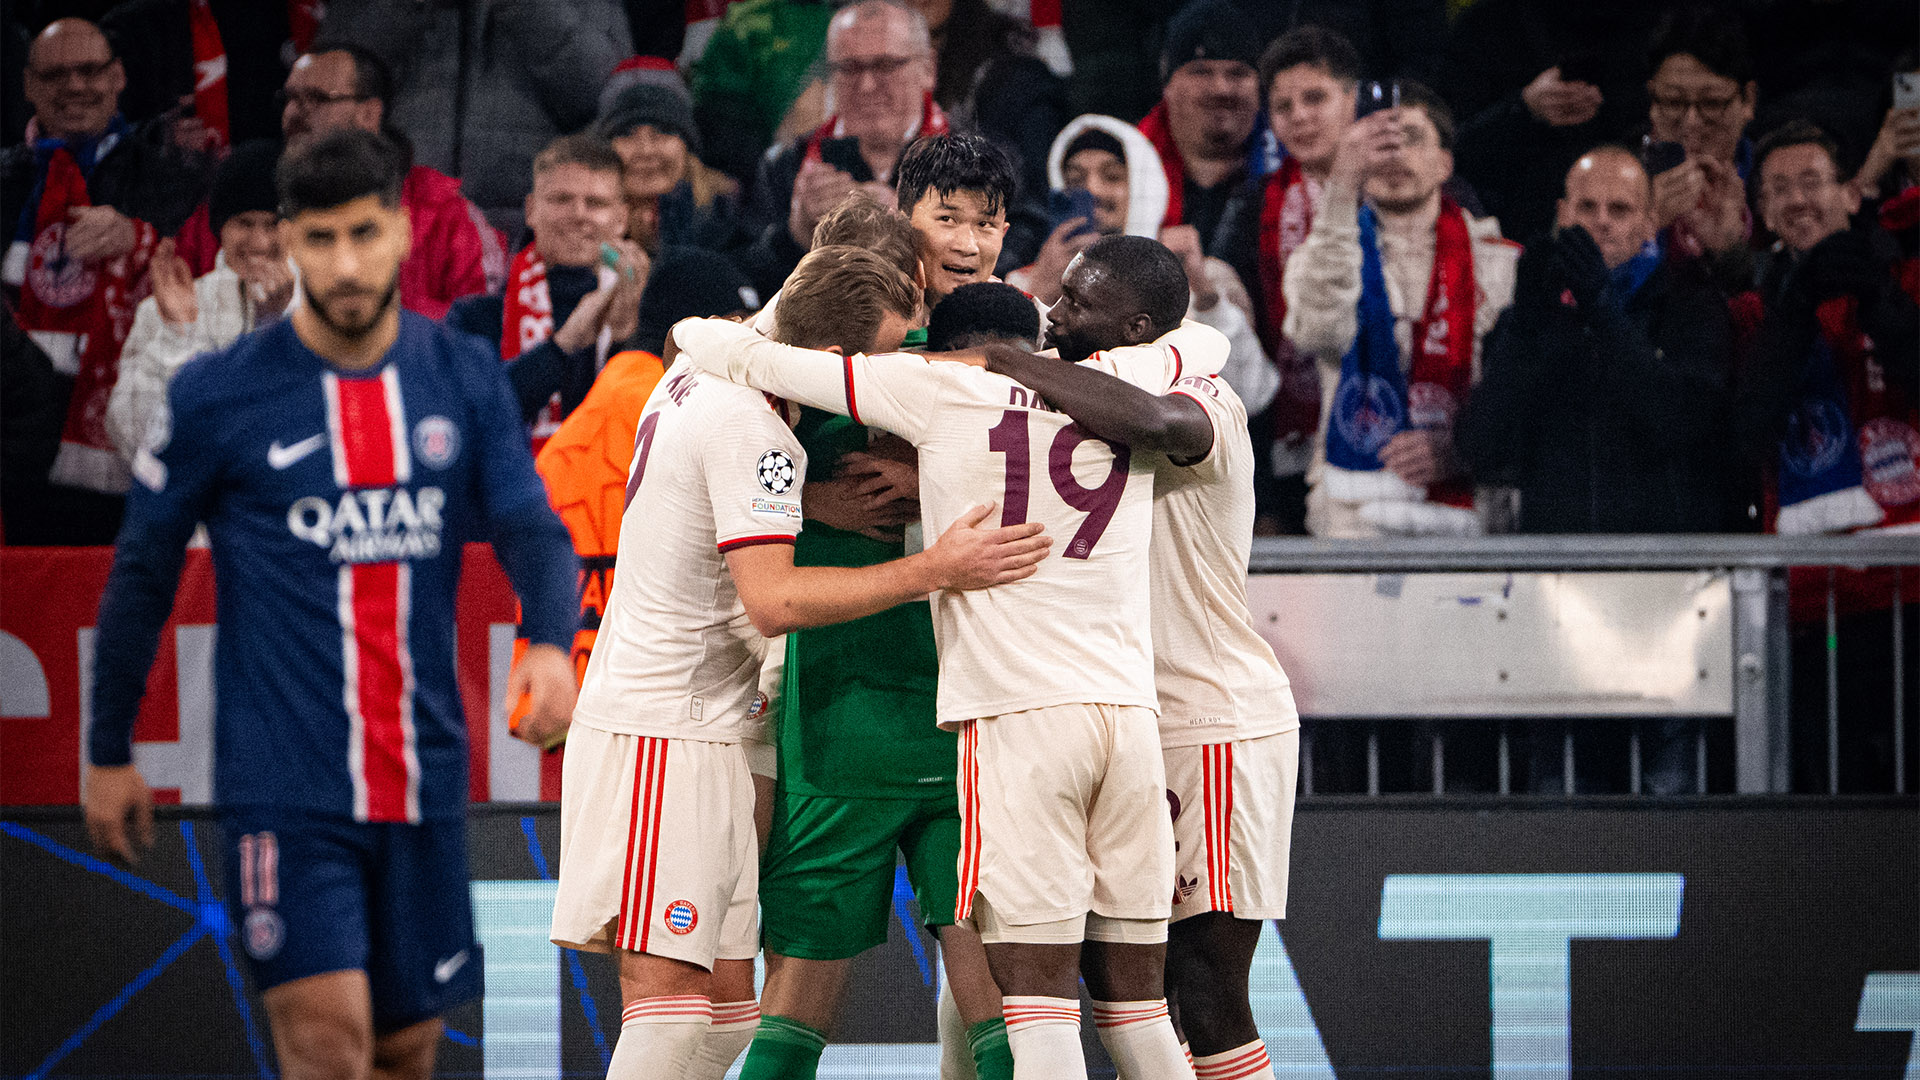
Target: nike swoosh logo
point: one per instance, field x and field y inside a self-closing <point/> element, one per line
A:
<point x="445" y="969"/>
<point x="282" y="456"/>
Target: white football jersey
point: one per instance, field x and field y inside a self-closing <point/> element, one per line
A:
<point x="1218" y="679"/>
<point x="1078" y="630"/>
<point x="715" y="468"/>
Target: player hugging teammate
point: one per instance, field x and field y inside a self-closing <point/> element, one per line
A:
<point x="1054" y="841"/>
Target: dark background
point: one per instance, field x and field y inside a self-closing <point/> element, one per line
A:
<point x="1787" y="905"/>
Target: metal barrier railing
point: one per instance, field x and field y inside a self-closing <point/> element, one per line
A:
<point x="1760" y="664"/>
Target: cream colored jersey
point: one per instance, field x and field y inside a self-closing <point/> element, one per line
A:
<point x="1077" y="630"/>
<point x="715" y="468"/>
<point x="1218" y="680"/>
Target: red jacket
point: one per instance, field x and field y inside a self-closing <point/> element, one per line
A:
<point x="455" y="252"/>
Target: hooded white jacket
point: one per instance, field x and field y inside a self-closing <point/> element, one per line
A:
<point x="156" y="348"/>
<point x="1248" y="369"/>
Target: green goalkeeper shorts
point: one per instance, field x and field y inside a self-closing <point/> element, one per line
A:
<point x="826" y="879"/>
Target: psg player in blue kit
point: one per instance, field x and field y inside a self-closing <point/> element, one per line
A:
<point x="340" y="458"/>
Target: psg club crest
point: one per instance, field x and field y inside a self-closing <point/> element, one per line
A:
<point x="1817" y="434"/>
<point x="436" y="441"/>
<point x="681" y="917"/>
<point x="264" y="933"/>
<point x="59" y="280"/>
<point x="775" y="472"/>
<point x="1890" y="461"/>
<point x="1368" y="412"/>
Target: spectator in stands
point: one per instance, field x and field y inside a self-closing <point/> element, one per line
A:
<point x="1828" y="64"/>
<point x="250" y="284"/>
<point x="1309" y="79"/>
<point x="1205" y="124"/>
<point x="1604" y="387"/>
<point x="1702" y="96"/>
<point x="482" y="86"/>
<point x="1535" y="84"/>
<point x="1116" y="164"/>
<point x="1828" y="398"/>
<point x="167" y="47"/>
<point x="455" y="252"/>
<point x="881" y="59"/>
<point x="1401" y="288"/>
<point x="1892" y="165"/>
<point x="88" y="200"/>
<point x="577" y="210"/>
<point x="585" y="463"/>
<point x="673" y="199"/>
<point x="1829" y="411"/>
<point x="1112" y="42"/>
<point x="754" y="68"/>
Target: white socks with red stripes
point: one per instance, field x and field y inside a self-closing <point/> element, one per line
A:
<point x="659" y="1035"/>
<point x="1044" y="1034"/>
<point x="1140" y="1039"/>
<point x="1247" y="1062"/>
<point x="728" y="1035"/>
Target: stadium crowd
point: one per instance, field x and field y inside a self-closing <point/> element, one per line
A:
<point x="1485" y="265"/>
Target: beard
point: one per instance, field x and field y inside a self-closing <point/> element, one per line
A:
<point x="343" y="327"/>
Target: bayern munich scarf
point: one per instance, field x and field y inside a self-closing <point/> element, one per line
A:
<point x="933" y="121"/>
<point x="209" y="77"/>
<point x="1264" y="156"/>
<point x="1287" y="203"/>
<point x="526" y="321"/>
<point x="1850" y="458"/>
<point x="78" y="313"/>
<point x="1375" y="399"/>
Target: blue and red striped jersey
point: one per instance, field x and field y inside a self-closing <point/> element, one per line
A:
<point x="337" y="504"/>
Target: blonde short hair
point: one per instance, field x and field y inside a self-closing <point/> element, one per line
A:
<point x="838" y="296"/>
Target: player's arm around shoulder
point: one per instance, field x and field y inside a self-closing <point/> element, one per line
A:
<point x="1111" y="407"/>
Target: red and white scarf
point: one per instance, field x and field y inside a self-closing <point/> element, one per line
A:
<point x="209" y="77"/>
<point x="79" y="314"/>
<point x="1287" y="204"/>
<point x="933" y="121"/>
<point x="1442" y="340"/>
<point x="527" y="320"/>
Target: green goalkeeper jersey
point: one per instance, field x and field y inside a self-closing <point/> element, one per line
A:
<point x="857" y="703"/>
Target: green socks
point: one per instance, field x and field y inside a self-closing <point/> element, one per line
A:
<point x="992" y="1057"/>
<point x="785" y="1049"/>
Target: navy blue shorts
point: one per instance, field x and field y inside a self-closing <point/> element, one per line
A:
<point x="312" y="894"/>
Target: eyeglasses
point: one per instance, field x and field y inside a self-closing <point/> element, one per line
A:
<point x="60" y="73"/>
<point x="879" y="67"/>
<point x="1673" y="107"/>
<point x="313" y="99"/>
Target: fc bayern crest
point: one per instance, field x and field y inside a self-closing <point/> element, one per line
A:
<point x="681" y="917"/>
<point x="1368" y="413"/>
<point x="1430" y="405"/>
<point x="1890" y="461"/>
<point x="264" y="933"/>
<point x="1817" y="434"/>
<point x="776" y="472"/>
<point x="436" y="441"/>
<point x="57" y="279"/>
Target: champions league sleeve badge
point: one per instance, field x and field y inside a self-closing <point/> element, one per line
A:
<point x="775" y="472"/>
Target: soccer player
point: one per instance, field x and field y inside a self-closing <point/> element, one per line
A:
<point x="1228" y="726"/>
<point x="658" y="854"/>
<point x="955" y="189"/>
<point x="1065" y="833"/>
<point x="340" y="459"/>
<point x="865" y="778"/>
